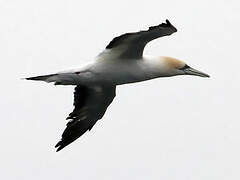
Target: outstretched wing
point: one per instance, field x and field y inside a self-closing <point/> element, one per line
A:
<point x="90" y="105"/>
<point x="131" y="45"/>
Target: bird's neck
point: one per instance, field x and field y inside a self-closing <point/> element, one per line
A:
<point x="155" y="67"/>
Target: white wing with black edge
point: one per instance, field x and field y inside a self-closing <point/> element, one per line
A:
<point x="131" y="45"/>
<point x="90" y="105"/>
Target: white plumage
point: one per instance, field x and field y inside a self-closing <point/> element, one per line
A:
<point x="121" y="62"/>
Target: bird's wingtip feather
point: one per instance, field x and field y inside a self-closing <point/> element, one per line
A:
<point x="59" y="146"/>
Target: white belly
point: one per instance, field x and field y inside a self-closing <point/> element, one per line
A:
<point x="118" y="72"/>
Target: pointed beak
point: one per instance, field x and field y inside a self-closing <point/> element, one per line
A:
<point x="194" y="72"/>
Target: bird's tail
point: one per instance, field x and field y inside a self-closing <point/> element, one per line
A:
<point x="57" y="79"/>
<point x="46" y="78"/>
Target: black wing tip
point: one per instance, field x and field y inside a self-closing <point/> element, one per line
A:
<point x="59" y="149"/>
<point x="59" y="146"/>
<point x="170" y="25"/>
<point x="66" y="140"/>
<point x="117" y="40"/>
<point x="167" y="24"/>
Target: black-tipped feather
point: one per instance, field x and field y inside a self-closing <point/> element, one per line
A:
<point x="89" y="106"/>
<point x="136" y="41"/>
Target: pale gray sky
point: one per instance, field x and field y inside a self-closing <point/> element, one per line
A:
<point x="181" y="128"/>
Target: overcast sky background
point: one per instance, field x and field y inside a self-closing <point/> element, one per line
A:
<point x="181" y="128"/>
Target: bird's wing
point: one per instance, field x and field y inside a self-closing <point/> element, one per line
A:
<point x="90" y="105"/>
<point x="131" y="45"/>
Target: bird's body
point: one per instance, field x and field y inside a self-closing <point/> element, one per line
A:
<point x="122" y="62"/>
<point x="117" y="72"/>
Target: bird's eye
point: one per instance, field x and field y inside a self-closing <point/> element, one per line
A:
<point x="184" y="67"/>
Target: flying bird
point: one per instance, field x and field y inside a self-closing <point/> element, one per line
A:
<point x="121" y="62"/>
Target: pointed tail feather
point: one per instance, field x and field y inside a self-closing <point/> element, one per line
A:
<point x="42" y="78"/>
<point x="58" y="79"/>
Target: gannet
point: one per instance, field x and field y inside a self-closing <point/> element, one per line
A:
<point x="121" y="62"/>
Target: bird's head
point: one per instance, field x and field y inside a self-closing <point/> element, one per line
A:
<point x="177" y="67"/>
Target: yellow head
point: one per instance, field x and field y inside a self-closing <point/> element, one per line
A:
<point x="174" y="66"/>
